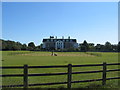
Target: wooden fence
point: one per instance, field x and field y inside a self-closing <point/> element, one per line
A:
<point x="69" y="74"/>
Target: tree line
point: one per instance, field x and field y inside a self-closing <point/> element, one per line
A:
<point x="107" y="47"/>
<point x="83" y="47"/>
<point x="12" y="45"/>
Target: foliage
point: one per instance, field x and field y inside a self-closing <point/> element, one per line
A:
<point x="83" y="47"/>
<point x="7" y="45"/>
<point x="107" y="47"/>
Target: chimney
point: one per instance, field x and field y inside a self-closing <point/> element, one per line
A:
<point x="68" y="37"/>
<point x="51" y="37"/>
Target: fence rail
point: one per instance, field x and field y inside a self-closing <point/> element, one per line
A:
<point x="58" y="66"/>
<point x="69" y="73"/>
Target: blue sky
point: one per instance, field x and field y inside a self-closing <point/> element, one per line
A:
<point x="96" y="22"/>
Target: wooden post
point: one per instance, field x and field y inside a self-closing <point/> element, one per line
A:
<point x="69" y="76"/>
<point x="25" y="76"/>
<point x="104" y="74"/>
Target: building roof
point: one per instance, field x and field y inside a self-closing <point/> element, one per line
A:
<point x="73" y="40"/>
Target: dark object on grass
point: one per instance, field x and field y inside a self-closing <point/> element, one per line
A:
<point x="55" y="54"/>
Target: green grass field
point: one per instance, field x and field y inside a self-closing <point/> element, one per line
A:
<point x="19" y="58"/>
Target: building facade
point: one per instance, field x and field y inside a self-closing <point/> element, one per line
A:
<point x="59" y="43"/>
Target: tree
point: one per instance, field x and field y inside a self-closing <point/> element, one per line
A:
<point x="119" y="46"/>
<point x="84" y="46"/>
<point x="91" y="47"/>
<point x="99" y="47"/>
<point x="18" y="45"/>
<point x="114" y="48"/>
<point x="4" y="44"/>
<point x="108" y="46"/>
<point x="24" y="47"/>
<point x="31" y="46"/>
<point x="39" y="47"/>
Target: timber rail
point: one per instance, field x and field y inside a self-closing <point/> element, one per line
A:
<point x="69" y="74"/>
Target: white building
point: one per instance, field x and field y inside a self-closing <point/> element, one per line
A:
<point x="59" y="43"/>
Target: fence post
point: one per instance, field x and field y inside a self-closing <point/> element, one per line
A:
<point x="69" y="76"/>
<point x="25" y="82"/>
<point x="104" y="73"/>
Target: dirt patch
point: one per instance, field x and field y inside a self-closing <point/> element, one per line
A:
<point x="35" y="54"/>
<point x="58" y="54"/>
<point x="76" y="55"/>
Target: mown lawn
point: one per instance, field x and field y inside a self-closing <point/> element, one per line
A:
<point x="19" y="58"/>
